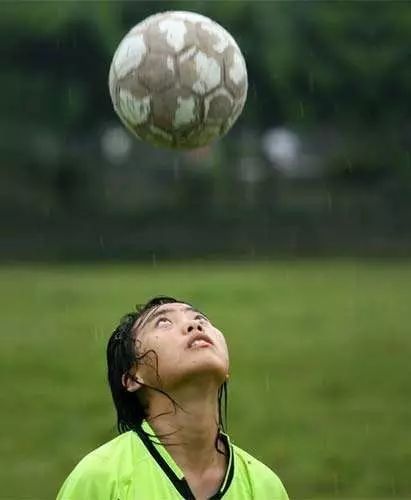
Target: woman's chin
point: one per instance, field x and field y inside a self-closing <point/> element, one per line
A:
<point x="199" y="375"/>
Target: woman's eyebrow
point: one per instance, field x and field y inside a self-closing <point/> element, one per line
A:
<point x="156" y="314"/>
<point x="193" y="309"/>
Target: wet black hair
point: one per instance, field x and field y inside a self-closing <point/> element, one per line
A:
<point x="122" y="355"/>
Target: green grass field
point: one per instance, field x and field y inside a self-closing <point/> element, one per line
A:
<point x="320" y="378"/>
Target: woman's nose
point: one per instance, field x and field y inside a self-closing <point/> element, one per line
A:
<point x="193" y="326"/>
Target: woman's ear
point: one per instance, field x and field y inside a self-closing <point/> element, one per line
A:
<point x="131" y="383"/>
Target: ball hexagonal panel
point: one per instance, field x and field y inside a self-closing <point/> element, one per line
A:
<point x="129" y="54"/>
<point x="235" y="72"/>
<point x="169" y="34"/>
<point x="199" y="72"/>
<point x="133" y="85"/>
<point x="175" y="109"/>
<point x="238" y="107"/>
<point x="135" y="111"/>
<point x="218" y="106"/>
<point x="212" y="37"/>
<point x="157" y="72"/>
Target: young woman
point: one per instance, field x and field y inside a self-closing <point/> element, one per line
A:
<point x="168" y="369"/>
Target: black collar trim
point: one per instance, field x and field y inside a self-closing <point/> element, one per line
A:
<point x="181" y="485"/>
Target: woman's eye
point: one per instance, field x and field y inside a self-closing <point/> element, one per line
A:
<point x="201" y="317"/>
<point x="162" y="321"/>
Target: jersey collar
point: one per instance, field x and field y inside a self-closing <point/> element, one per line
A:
<point x="173" y="471"/>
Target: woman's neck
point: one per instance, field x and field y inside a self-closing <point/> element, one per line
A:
<point x="189" y="429"/>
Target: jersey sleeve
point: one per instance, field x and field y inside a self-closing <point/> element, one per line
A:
<point x="264" y="484"/>
<point x="88" y="483"/>
<point x="270" y="487"/>
<point x="281" y="492"/>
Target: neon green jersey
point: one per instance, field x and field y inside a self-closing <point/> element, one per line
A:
<point x="134" y="467"/>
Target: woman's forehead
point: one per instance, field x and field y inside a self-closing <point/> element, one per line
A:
<point x="175" y="306"/>
<point x="170" y="307"/>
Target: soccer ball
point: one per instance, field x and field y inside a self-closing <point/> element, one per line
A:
<point x="178" y="80"/>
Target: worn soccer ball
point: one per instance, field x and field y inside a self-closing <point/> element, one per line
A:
<point x="178" y="80"/>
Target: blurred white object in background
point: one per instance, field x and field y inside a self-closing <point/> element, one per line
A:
<point x="293" y="156"/>
<point x="282" y="147"/>
<point x="116" y="144"/>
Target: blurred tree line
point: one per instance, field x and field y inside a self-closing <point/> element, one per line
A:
<point x="334" y="75"/>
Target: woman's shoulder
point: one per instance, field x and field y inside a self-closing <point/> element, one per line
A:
<point x="260" y="475"/>
<point x="123" y="447"/>
<point x="99" y="472"/>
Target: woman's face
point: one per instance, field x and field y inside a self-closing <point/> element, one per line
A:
<point x="186" y="345"/>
